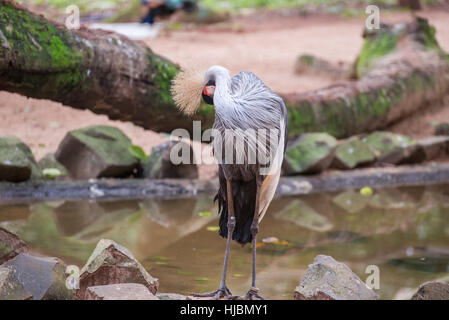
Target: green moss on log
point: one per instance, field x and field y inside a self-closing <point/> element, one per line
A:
<point x="375" y="46"/>
<point x="33" y="44"/>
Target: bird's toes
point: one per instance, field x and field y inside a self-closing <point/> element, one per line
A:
<point x="221" y="293"/>
<point x="253" y="294"/>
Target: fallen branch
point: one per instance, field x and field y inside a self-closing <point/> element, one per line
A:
<point x="179" y="188"/>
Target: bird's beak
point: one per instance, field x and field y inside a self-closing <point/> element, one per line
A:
<point x="209" y="91"/>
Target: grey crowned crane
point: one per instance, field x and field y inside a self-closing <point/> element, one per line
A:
<point x="249" y="170"/>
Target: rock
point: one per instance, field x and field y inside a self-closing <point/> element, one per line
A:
<point x="327" y="279"/>
<point x="307" y="63"/>
<point x="122" y="291"/>
<point x="299" y="213"/>
<point x="442" y="129"/>
<point x="351" y="201"/>
<point x="158" y="165"/>
<point x="432" y="291"/>
<point x="10" y="245"/>
<point x="352" y="153"/>
<point x="44" y="278"/>
<point x="49" y="162"/>
<point x="96" y="152"/>
<point x="17" y="162"/>
<point x="434" y="147"/>
<point x="309" y="153"/>
<point x="10" y="287"/>
<point x="171" y="296"/>
<point x="394" y="148"/>
<point x="110" y="263"/>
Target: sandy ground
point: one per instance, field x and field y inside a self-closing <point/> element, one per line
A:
<point x="267" y="46"/>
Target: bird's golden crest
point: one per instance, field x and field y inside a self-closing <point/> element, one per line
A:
<point x="186" y="89"/>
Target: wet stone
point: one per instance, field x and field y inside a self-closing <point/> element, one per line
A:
<point x="432" y="291"/>
<point x="122" y="291"/>
<point x="44" y="278"/>
<point x="10" y="245"/>
<point x="328" y="279"/>
<point x="111" y="263"/>
<point x="10" y="287"/>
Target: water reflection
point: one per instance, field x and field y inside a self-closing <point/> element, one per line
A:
<point x="403" y="231"/>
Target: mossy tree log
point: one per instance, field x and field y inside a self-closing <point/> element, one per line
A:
<point x="97" y="70"/>
<point x="400" y="69"/>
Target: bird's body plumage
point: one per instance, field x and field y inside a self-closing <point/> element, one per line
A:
<point x="249" y="138"/>
<point x="244" y="103"/>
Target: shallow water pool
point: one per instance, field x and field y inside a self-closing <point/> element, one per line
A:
<point x="405" y="232"/>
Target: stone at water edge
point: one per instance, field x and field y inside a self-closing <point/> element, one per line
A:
<point x="159" y="165"/>
<point x="44" y="278"/>
<point x="394" y="148"/>
<point x="17" y="162"/>
<point x="49" y="162"/>
<point x="309" y="153"/>
<point x="432" y="291"/>
<point x="352" y="153"/>
<point x="328" y="279"/>
<point x="10" y="287"/>
<point x="111" y="263"/>
<point x="121" y="291"/>
<point x="10" y="245"/>
<point x="97" y="152"/>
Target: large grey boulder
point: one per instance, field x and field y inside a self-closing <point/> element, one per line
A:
<point x="17" y="162"/>
<point x="328" y="279"/>
<point x="44" y="278"/>
<point x="432" y="291"/>
<point x="97" y="152"/>
<point x="10" y="245"/>
<point x="10" y="287"/>
<point x="111" y="263"/>
<point x="309" y="153"/>
<point x="122" y="291"/>
<point x="159" y="164"/>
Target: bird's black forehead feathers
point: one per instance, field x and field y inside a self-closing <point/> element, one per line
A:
<point x="210" y="83"/>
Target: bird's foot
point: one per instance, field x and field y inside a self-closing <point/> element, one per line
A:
<point x="218" y="294"/>
<point x="253" y="294"/>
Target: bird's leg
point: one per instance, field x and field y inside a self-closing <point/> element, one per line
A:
<point x="253" y="293"/>
<point x="223" y="290"/>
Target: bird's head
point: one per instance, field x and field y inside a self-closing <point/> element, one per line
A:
<point x="190" y="86"/>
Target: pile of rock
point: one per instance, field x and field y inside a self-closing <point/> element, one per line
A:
<point x="90" y="153"/>
<point x="317" y="152"/>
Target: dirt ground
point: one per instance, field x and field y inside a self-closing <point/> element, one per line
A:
<point x="266" y="45"/>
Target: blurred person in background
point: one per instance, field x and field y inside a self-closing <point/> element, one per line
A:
<point x="159" y="8"/>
